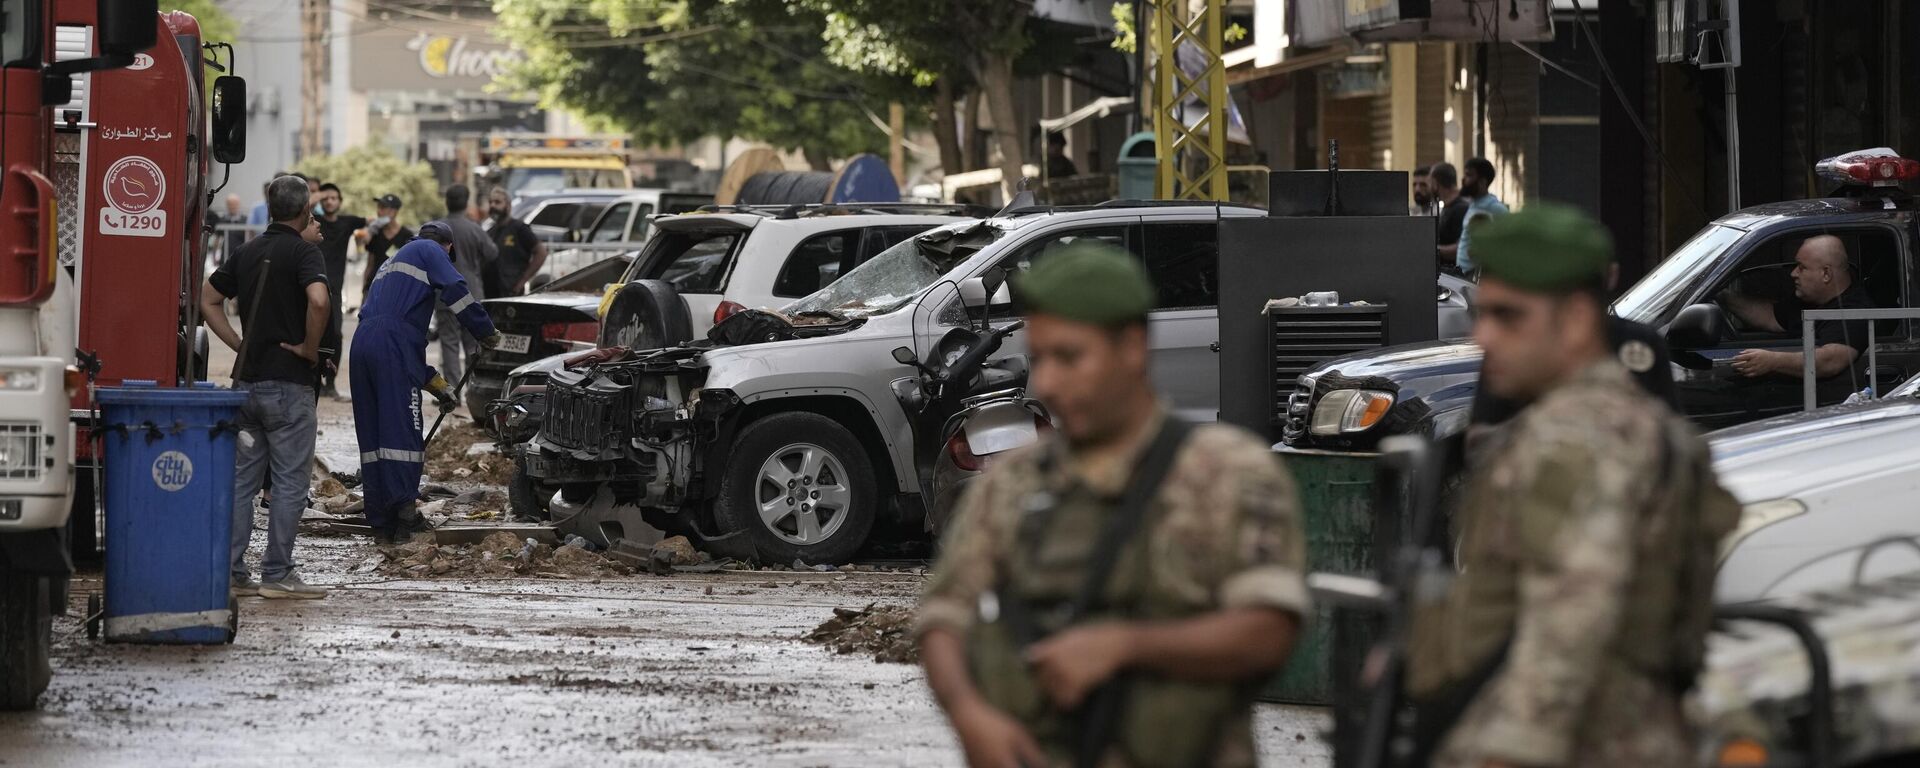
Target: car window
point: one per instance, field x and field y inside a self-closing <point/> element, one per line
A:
<point x="641" y="222"/>
<point x="1183" y="259"/>
<point x="1758" y="295"/>
<point x="554" y="215"/>
<point x="816" y="262"/>
<point x="877" y="239"/>
<point x="612" y="224"/>
<point x="587" y="212"/>
<point x="590" y="278"/>
<point x="1023" y="259"/>
<point x="694" y="262"/>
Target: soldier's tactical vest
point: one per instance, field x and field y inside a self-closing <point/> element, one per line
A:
<point x="1161" y="722"/>
<point x="1676" y="542"/>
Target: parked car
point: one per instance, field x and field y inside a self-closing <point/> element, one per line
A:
<point x="693" y="438"/>
<point x="561" y="216"/>
<point x="1744" y="254"/>
<point x="559" y="317"/>
<point x="621" y="224"/>
<point x="1828" y="497"/>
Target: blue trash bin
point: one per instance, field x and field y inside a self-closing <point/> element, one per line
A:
<point x="169" y="456"/>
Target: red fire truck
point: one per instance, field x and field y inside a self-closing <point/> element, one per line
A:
<point x="105" y="145"/>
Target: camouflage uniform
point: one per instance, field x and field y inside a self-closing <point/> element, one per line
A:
<point x="1222" y="532"/>
<point x="1587" y="550"/>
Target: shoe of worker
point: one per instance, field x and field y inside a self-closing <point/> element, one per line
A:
<point x="243" y="586"/>
<point x="291" y="587"/>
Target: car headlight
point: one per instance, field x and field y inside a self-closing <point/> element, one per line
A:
<point x="1345" y="411"/>
<point x="1758" y="515"/>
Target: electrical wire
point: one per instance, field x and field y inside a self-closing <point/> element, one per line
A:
<point x="1620" y="94"/>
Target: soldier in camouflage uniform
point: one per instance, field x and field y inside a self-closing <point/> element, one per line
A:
<point x="1588" y="535"/>
<point x="1203" y="602"/>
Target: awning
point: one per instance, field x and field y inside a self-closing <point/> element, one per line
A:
<point x="569" y="162"/>
<point x="1240" y="69"/>
<point x="1095" y="109"/>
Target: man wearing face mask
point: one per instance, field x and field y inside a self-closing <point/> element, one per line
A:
<point x="522" y="253"/>
<point x="390" y="368"/>
<point x="383" y="234"/>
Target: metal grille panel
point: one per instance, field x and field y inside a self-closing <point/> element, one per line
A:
<point x="1304" y="337"/>
<point x="26" y="437"/>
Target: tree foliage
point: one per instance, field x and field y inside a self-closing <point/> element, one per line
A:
<point x="672" y="71"/>
<point x="371" y="170"/>
<point x="215" y="25"/>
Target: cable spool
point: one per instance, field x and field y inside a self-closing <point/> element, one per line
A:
<point x="757" y="177"/>
<point x="786" y="188"/>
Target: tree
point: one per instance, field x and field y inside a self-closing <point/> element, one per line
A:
<point x="942" y="41"/>
<point x="672" y="71"/>
<point x="215" y="25"/>
<point x="371" y="170"/>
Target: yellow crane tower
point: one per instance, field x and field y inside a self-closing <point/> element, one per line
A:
<point x="1192" y="156"/>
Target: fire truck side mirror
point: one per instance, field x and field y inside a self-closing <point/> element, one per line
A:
<point x="229" y="108"/>
<point x="127" y="26"/>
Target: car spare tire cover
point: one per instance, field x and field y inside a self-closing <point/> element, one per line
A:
<point x="646" y="314"/>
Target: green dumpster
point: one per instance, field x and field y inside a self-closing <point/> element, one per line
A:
<point x="1336" y="496"/>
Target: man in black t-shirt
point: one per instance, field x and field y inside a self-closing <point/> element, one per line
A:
<point x="522" y="253"/>
<point x="336" y="232"/>
<point x="1822" y="279"/>
<point x="1444" y="180"/>
<point x="280" y="282"/>
<point x="383" y="234"/>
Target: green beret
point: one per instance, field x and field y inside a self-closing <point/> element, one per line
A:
<point x="1087" y="281"/>
<point x="1546" y="247"/>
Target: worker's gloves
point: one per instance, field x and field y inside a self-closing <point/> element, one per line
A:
<point x="493" y="342"/>
<point x="442" y="392"/>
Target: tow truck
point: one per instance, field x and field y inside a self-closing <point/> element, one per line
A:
<point x="536" y="162"/>
<point x="106" y="144"/>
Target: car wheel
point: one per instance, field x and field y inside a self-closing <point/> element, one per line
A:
<point x="802" y="487"/>
<point x="26" y="638"/>
<point x="646" y="314"/>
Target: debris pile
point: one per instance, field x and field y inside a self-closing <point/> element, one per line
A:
<point x="499" y="554"/>
<point x="478" y="505"/>
<point x="462" y="452"/>
<point x="885" y="632"/>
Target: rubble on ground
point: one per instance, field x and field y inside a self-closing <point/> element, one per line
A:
<point x="462" y="452"/>
<point x="884" y="632"/>
<point x="677" y="550"/>
<point x="499" y="554"/>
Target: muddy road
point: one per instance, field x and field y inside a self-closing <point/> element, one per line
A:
<point x="542" y="669"/>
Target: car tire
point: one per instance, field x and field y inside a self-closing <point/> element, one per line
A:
<point x="812" y="452"/>
<point x="646" y="314"/>
<point x="26" y="640"/>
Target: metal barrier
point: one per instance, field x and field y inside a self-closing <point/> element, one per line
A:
<point x="1809" y="317"/>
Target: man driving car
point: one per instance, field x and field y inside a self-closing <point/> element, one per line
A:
<point x="1822" y="279"/>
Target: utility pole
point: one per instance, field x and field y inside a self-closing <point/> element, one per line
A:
<point x="313" y="63"/>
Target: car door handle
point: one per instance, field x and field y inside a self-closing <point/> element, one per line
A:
<point x="1215" y="347"/>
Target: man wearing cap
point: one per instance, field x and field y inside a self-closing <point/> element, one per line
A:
<point x="382" y="235"/>
<point x="1120" y="591"/>
<point x="1588" y="536"/>
<point x="389" y="368"/>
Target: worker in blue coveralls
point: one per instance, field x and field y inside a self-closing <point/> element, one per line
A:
<point x="388" y="368"/>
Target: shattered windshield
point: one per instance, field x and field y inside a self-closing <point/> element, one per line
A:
<point x="888" y="281"/>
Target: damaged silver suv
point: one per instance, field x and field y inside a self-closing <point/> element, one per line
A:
<point x="789" y="443"/>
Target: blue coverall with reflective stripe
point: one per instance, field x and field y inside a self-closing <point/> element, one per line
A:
<point x="387" y="367"/>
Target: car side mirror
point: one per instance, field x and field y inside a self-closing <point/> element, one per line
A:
<point x="126" y="27"/>
<point x="229" y="111"/>
<point x="1699" y="326"/>
<point x="989" y="290"/>
<point x="905" y="356"/>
